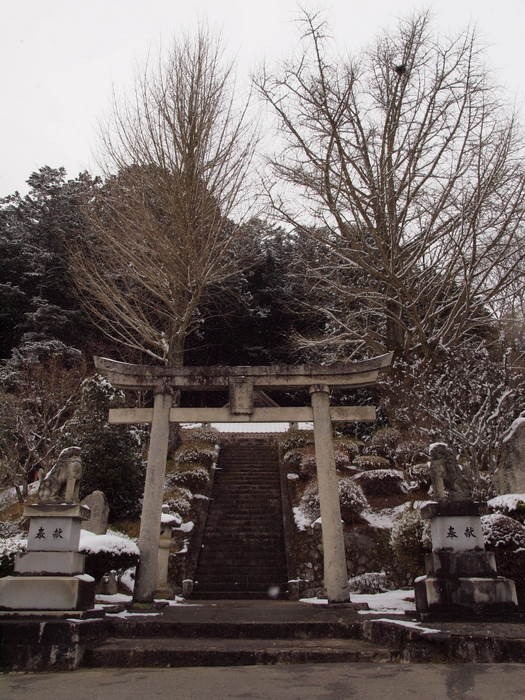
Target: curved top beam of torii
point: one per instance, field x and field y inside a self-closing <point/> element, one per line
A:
<point x="278" y="377"/>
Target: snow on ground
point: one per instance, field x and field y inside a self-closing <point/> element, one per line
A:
<point x="9" y="496"/>
<point x="114" y="542"/>
<point x="302" y="521"/>
<point x="125" y="613"/>
<point x="506" y="502"/>
<point x="384" y="518"/>
<point x="388" y="603"/>
<point x="407" y="623"/>
<point x="122" y="598"/>
<point x="114" y="598"/>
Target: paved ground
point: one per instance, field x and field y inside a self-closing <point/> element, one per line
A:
<point x="297" y="682"/>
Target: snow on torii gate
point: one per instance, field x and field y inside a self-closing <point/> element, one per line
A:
<point x="241" y="382"/>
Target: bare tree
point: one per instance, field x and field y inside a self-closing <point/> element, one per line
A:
<point x="408" y="170"/>
<point x="36" y="401"/>
<point x="178" y="154"/>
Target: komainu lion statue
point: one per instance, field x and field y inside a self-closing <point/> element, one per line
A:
<point x="62" y="482"/>
<point x="448" y="481"/>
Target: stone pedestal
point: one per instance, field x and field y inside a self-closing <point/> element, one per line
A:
<point x="50" y="574"/>
<point x="461" y="577"/>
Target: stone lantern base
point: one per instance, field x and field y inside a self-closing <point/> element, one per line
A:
<point x="50" y="574"/>
<point x="461" y="577"/>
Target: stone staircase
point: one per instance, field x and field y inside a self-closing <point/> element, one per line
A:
<point x="235" y="632"/>
<point x="243" y="550"/>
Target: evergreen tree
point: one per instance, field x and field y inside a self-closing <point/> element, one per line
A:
<point x="111" y="454"/>
<point x="37" y="301"/>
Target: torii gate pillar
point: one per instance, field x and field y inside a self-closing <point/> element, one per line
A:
<point x="149" y="537"/>
<point x="335" y="571"/>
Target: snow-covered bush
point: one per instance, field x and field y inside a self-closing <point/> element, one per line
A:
<point x="9" y="547"/>
<point x="194" y="478"/>
<point x="207" y="435"/>
<point x="113" y="551"/>
<point x="342" y="459"/>
<point x="409" y="539"/>
<point x="369" y="583"/>
<point x="293" y="439"/>
<point x="352" y="500"/>
<point x="370" y="462"/>
<point x="351" y="497"/>
<point x="178" y="500"/>
<point x="410" y="452"/>
<point x="382" y="443"/>
<point x="506" y="537"/>
<point x="502" y="532"/>
<point x="382" y="482"/>
<point x="350" y="446"/>
<point x="511" y="504"/>
<point x="292" y="458"/>
<point x="202" y="455"/>
<point x="420" y="473"/>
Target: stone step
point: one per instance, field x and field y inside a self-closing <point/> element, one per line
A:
<point x="260" y="629"/>
<point x="213" y="651"/>
<point x="214" y="567"/>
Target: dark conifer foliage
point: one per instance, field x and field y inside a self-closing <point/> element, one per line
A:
<point x="37" y="302"/>
<point x="253" y="319"/>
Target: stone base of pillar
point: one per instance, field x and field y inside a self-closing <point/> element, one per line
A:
<point x="464" y="598"/>
<point x="47" y="592"/>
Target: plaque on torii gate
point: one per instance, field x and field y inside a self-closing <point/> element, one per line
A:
<point x="241" y="382"/>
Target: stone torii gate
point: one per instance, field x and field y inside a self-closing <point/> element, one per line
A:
<point x="241" y="382"/>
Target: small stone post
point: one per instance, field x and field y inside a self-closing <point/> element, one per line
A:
<point x="335" y="571"/>
<point x="149" y="536"/>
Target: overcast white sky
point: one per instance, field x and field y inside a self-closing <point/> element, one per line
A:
<point x="60" y="58"/>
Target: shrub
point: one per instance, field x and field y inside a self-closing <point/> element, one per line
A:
<point x="351" y="497"/>
<point x="382" y="482"/>
<point x="191" y="477"/>
<point x="410" y="452"/>
<point x="293" y="439"/>
<point x="352" y="500"/>
<point x="420" y="473"/>
<point x="349" y="445"/>
<point x="207" y="435"/>
<point x="342" y="458"/>
<point x="110" y="552"/>
<point x="386" y="436"/>
<point x="383" y="443"/>
<point x="9" y="547"/>
<point x="371" y="462"/>
<point x="178" y="500"/>
<point x="309" y="503"/>
<point x="202" y="455"/>
<point x="409" y="539"/>
<point x="511" y="504"/>
<point x="369" y="583"/>
<point x="293" y="458"/>
<point x="502" y="532"/>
